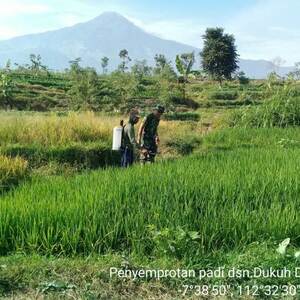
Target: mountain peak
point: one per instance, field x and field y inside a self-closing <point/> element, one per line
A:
<point x="110" y="16"/>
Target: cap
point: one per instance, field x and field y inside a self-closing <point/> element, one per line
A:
<point x="134" y="115"/>
<point x="160" y="109"/>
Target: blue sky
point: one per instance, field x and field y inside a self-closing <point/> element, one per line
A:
<point x="264" y="29"/>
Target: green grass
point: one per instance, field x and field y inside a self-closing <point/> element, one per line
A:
<point x="247" y="138"/>
<point x="282" y="110"/>
<point x="230" y="198"/>
<point x="32" y="276"/>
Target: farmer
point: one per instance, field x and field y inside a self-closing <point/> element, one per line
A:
<point x="147" y="137"/>
<point x="128" y="140"/>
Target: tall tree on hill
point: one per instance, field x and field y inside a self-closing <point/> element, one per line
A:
<point x="219" y="54"/>
<point x="163" y="68"/>
<point x="160" y="62"/>
<point x="36" y="64"/>
<point x="140" y="69"/>
<point x="104" y="64"/>
<point x="296" y="73"/>
<point x="277" y="62"/>
<point x="184" y="64"/>
<point x="6" y="90"/>
<point x="125" y="60"/>
<point x="75" y="67"/>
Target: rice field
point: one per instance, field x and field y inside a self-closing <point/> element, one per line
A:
<point x="54" y="129"/>
<point x="213" y="200"/>
<point x="12" y="170"/>
<point x="64" y="143"/>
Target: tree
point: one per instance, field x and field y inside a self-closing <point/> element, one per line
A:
<point x="125" y="60"/>
<point x="184" y="64"/>
<point x="8" y="66"/>
<point x="75" y="67"/>
<point x="124" y="85"/>
<point x="140" y="69"/>
<point x="6" y="89"/>
<point x="296" y="73"/>
<point x="160" y="62"/>
<point x="219" y="54"/>
<point x="163" y="68"/>
<point x="242" y="78"/>
<point x="277" y="63"/>
<point x="104" y="64"/>
<point x="273" y="79"/>
<point x="84" y="86"/>
<point x="36" y="64"/>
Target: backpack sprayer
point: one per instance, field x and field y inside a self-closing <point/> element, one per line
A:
<point x="118" y="136"/>
<point x="118" y="132"/>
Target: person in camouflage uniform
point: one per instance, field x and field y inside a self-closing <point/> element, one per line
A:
<point x="128" y="140"/>
<point x="148" y="137"/>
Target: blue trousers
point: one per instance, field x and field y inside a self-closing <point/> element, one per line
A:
<point x="127" y="157"/>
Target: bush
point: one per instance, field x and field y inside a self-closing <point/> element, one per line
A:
<point x="223" y="95"/>
<point x="196" y="88"/>
<point x="182" y="116"/>
<point x="186" y="102"/>
<point x="242" y="78"/>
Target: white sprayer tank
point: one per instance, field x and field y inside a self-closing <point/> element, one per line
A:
<point x="117" y="138"/>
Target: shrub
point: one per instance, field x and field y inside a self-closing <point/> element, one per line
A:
<point x="196" y="88"/>
<point x="186" y="102"/>
<point x="182" y="116"/>
<point x="223" y="95"/>
<point x="242" y="78"/>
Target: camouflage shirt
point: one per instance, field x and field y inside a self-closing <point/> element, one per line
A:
<point x="151" y="123"/>
<point x="129" y="136"/>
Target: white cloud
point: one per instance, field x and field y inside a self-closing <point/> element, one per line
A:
<point x="268" y="29"/>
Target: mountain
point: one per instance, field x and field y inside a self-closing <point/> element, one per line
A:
<point x="261" y="68"/>
<point x="105" y="35"/>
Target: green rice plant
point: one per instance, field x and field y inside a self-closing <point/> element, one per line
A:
<point x="242" y="137"/>
<point x="53" y="130"/>
<point x="184" y="145"/>
<point x="81" y="156"/>
<point x="228" y="199"/>
<point x="12" y="170"/>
